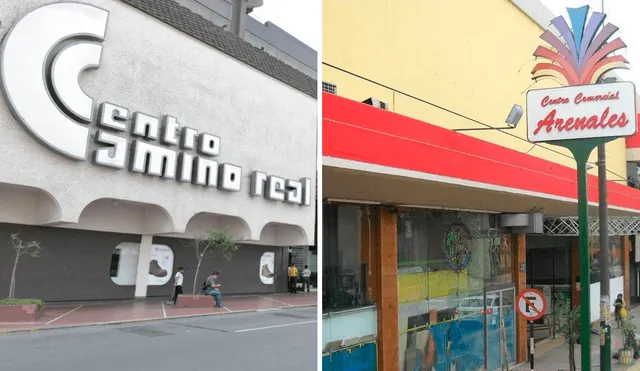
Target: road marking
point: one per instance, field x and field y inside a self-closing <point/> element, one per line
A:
<point x="274" y="300"/>
<point x="66" y="314"/>
<point x="164" y="310"/>
<point x="277" y="326"/>
<point x="227" y="309"/>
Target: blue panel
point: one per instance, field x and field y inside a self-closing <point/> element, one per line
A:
<point x="578" y="17"/>
<point x="460" y="343"/>
<point x="361" y="358"/>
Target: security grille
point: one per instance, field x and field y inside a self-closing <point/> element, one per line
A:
<point x="568" y="226"/>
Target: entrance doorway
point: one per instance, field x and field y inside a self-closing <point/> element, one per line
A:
<point x="500" y="328"/>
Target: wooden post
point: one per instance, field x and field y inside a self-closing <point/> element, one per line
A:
<point x="626" y="251"/>
<point x="387" y="295"/>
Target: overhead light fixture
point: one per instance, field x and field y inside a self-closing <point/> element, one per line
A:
<point x="607" y="80"/>
<point x="513" y="118"/>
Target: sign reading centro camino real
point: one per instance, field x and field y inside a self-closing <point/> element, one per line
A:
<point x="42" y="56"/>
<point x="583" y="111"/>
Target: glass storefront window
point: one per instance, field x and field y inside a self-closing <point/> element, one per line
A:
<point x="343" y="271"/>
<point x="447" y="264"/>
<point x="615" y="257"/>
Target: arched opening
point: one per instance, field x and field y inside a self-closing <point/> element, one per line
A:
<point x="121" y="216"/>
<point x="200" y="223"/>
<point x="28" y="205"/>
<point x="280" y="234"/>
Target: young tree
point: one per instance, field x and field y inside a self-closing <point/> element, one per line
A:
<point x="569" y="321"/>
<point x="20" y="247"/>
<point x="213" y="243"/>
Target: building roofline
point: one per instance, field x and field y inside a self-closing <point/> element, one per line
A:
<point x="196" y="26"/>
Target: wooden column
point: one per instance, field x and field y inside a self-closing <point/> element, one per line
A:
<point x="626" y="250"/>
<point x="387" y="287"/>
<point x="519" y="255"/>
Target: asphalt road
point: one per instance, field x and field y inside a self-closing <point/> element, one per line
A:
<point x="264" y="341"/>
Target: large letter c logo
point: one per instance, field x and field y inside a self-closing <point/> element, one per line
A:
<point x="42" y="57"/>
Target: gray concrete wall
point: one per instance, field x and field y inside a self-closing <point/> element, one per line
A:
<point x="75" y="266"/>
<point x="269" y="37"/>
<point x="238" y="275"/>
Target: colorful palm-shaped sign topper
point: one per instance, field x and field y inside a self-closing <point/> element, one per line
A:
<point x="582" y="54"/>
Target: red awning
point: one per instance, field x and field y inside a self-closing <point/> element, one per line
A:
<point x="365" y="134"/>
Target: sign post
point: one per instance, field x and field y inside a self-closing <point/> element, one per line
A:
<point x="532" y="305"/>
<point x="581" y="116"/>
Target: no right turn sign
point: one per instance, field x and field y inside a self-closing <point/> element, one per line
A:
<point x="532" y="304"/>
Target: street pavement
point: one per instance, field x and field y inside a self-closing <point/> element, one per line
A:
<point x="556" y="358"/>
<point x="266" y="340"/>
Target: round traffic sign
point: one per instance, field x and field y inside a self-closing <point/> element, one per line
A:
<point x="531" y="304"/>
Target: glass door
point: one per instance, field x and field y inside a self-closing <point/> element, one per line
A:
<point x="500" y="319"/>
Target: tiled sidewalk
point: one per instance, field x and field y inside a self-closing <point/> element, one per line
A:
<point x="552" y="355"/>
<point x="83" y="314"/>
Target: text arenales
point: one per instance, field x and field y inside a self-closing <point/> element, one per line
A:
<point x="182" y="165"/>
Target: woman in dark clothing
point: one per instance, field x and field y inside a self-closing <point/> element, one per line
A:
<point x="619" y="304"/>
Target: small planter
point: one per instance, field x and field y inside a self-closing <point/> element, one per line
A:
<point x="21" y="312"/>
<point x="625" y="356"/>
<point x="194" y="301"/>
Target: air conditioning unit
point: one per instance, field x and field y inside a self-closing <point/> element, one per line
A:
<point x="531" y="223"/>
<point x="330" y="88"/>
<point x="376" y="103"/>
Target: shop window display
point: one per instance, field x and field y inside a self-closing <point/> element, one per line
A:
<point x="344" y="280"/>
<point x="447" y="263"/>
<point x="124" y="264"/>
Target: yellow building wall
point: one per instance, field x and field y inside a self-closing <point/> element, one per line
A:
<point x="468" y="56"/>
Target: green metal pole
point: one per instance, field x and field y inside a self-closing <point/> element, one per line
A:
<point x="605" y="291"/>
<point x="585" y="269"/>
<point x="581" y="149"/>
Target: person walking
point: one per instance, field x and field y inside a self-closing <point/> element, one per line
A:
<point x="306" y="279"/>
<point x="620" y="310"/>
<point x="293" y="279"/>
<point x="213" y="289"/>
<point x="177" y="285"/>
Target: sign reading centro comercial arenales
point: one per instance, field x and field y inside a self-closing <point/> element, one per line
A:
<point x="42" y="56"/>
<point x="581" y="112"/>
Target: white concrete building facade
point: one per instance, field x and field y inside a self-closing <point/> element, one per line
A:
<point x="145" y="121"/>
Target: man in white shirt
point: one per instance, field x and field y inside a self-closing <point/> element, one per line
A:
<point x="306" y="279"/>
<point x="177" y="281"/>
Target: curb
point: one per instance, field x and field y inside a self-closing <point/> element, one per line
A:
<point x="155" y="319"/>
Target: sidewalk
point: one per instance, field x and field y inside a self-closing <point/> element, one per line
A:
<point x="90" y="314"/>
<point x="552" y="354"/>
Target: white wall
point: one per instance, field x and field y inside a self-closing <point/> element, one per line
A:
<point x="150" y="67"/>
<point x="354" y="323"/>
<point x="616" y="286"/>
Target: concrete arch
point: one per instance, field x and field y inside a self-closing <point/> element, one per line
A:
<point x="281" y="234"/>
<point x="199" y="223"/>
<point x="28" y="205"/>
<point x="123" y="216"/>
